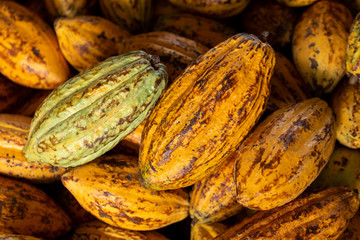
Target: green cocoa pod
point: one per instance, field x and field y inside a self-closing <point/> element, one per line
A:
<point x="90" y="113"/>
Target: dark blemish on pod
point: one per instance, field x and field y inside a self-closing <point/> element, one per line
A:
<point x="129" y="177"/>
<point x="314" y="64"/>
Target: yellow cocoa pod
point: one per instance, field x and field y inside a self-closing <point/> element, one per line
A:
<point x="201" y="29"/>
<point x="12" y="95"/>
<point x="110" y="190"/>
<point x="130" y="144"/>
<point x="214" y="9"/>
<point x="320" y="215"/>
<point x="206" y="113"/>
<point x="273" y="20"/>
<point x="213" y="198"/>
<point x="29" y="107"/>
<point x="296" y="3"/>
<point x="102" y="231"/>
<point x="352" y="231"/>
<point x="87" y="40"/>
<point x="14" y="130"/>
<point x="29" y="53"/>
<point x="319" y="44"/>
<point x="134" y="15"/>
<point x="345" y="103"/>
<point x="284" y="154"/>
<point x="287" y="87"/>
<point x="27" y="210"/>
<point x="17" y="237"/>
<point x="207" y="231"/>
<point x="353" y="51"/>
<point x="68" y="8"/>
<point x="175" y="51"/>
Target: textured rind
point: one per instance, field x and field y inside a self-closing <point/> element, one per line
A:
<point x="68" y="8"/>
<point x="213" y="198"/>
<point x="28" y="210"/>
<point x="87" y="40"/>
<point x="93" y="111"/>
<point x="276" y="20"/>
<point x="214" y="9"/>
<point x="110" y="190"/>
<point x="100" y="230"/>
<point x="321" y="215"/>
<point x="29" y="52"/>
<point x="353" y="49"/>
<point x="352" y="231"/>
<point x="130" y="145"/>
<point x="13" y="135"/>
<point x="287" y="87"/>
<point x="201" y="29"/>
<point x="296" y="3"/>
<point x="175" y="51"/>
<point x="284" y="154"/>
<point x="134" y="15"/>
<point x="17" y="237"/>
<point x="206" y="113"/>
<point x="319" y="44"/>
<point x="345" y="104"/>
<point x="343" y="169"/>
<point x="207" y="231"/>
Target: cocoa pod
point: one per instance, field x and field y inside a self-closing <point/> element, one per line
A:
<point x="207" y="231"/>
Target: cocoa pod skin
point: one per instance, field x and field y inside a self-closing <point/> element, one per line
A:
<point x="207" y="231"/>
<point x="296" y="3"/>
<point x="352" y="231"/>
<point x="17" y="237"/>
<point x="321" y="215"/>
<point x="206" y="113"/>
<point x="284" y="154"/>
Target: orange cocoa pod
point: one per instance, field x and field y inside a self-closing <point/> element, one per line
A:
<point x="29" y="53"/>
<point x="352" y="231"/>
<point x="207" y="231"/>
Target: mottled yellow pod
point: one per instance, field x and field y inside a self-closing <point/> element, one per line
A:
<point x="207" y="231"/>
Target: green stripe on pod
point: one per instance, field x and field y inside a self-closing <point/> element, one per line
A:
<point x="91" y="112"/>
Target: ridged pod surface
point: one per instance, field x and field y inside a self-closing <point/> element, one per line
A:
<point x="27" y="210"/>
<point x="284" y="154"/>
<point x="206" y="113"/>
<point x="321" y="215"/>
<point x="100" y="230"/>
<point x="319" y="44"/>
<point x="87" y="40"/>
<point x="110" y="190"/>
<point x="130" y="145"/>
<point x="275" y="20"/>
<point x="207" y="231"/>
<point x="343" y="169"/>
<point x="29" y="51"/>
<point x="214" y="9"/>
<point x="134" y="15"/>
<point x="14" y="130"/>
<point x="93" y="111"/>
<point x="296" y="3"/>
<point x="17" y="237"/>
<point x="68" y="8"/>
<point x="213" y="198"/>
<point x="345" y="103"/>
<point x="287" y="87"/>
<point x="175" y="51"/>
<point x="12" y="95"/>
<point x="201" y="29"/>
<point x="352" y="231"/>
<point x="352" y="63"/>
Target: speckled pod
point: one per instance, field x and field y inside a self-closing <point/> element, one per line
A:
<point x="319" y="44"/>
<point x="100" y="230"/>
<point x="27" y="210"/>
<point x="213" y="198"/>
<point x="87" y="40"/>
<point x="130" y="145"/>
<point x="17" y="237"/>
<point x="89" y="114"/>
<point x="29" y="53"/>
<point x="207" y="231"/>
<point x="134" y="15"/>
<point x="214" y="9"/>
<point x="12" y="95"/>
<point x="206" y="113"/>
<point x="345" y="102"/>
<point x="353" y="50"/>
<point x="175" y="51"/>
<point x="274" y="21"/>
<point x="296" y="3"/>
<point x="13" y="135"/>
<point x="284" y="154"/>
<point x="201" y="29"/>
<point x="343" y="169"/>
<point x="352" y="231"/>
<point x="287" y="87"/>
<point x="321" y="215"/>
<point x="110" y="190"/>
<point x="68" y="8"/>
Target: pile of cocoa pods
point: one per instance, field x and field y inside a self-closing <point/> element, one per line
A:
<point x="179" y="119"/>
